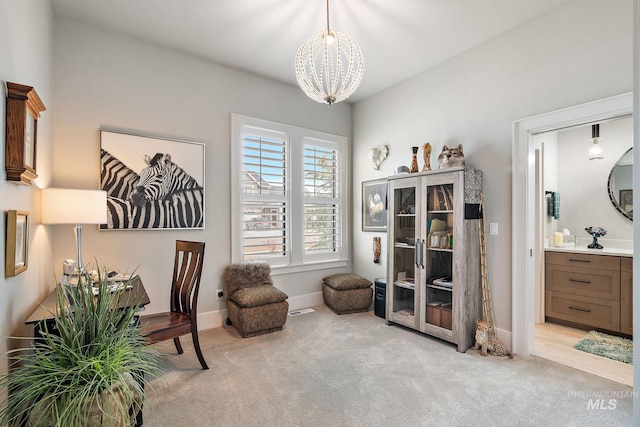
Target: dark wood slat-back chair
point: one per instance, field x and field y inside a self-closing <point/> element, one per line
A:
<point x="182" y="319"/>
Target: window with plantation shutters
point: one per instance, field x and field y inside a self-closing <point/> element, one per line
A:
<point x="288" y="189"/>
<point x="264" y="190"/>
<point x="321" y="199"/>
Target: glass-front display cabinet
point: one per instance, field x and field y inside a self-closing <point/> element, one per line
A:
<point x="403" y="305"/>
<point x="433" y="276"/>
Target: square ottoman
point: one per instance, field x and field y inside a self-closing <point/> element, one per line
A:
<point x="347" y="293"/>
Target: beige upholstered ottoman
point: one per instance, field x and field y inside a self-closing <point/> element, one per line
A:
<point x="347" y="293"/>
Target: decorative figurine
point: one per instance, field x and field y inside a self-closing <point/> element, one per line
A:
<point x="426" y="155"/>
<point x="595" y="233"/>
<point x="451" y="157"/>
<point x="377" y="156"/>
<point x="401" y="170"/>
<point x="414" y="160"/>
<point x="377" y="249"/>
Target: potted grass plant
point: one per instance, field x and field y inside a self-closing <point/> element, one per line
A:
<point x="88" y="369"/>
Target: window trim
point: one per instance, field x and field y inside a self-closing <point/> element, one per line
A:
<point x="297" y="138"/>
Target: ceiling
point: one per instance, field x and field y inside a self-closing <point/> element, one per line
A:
<point x="398" y="38"/>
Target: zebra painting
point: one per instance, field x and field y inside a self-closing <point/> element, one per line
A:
<point x="115" y="177"/>
<point x="159" y="179"/>
<point x="182" y="209"/>
<point x="162" y="196"/>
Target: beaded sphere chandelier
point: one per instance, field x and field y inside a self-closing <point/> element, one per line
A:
<point x="329" y="65"/>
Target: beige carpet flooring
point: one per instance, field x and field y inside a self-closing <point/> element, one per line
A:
<point x="354" y="370"/>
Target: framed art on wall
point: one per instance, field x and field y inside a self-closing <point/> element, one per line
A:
<point x="374" y="205"/>
<point x="17" y="243"/>
<point x="151" y="182"/>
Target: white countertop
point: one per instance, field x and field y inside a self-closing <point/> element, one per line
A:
<point x="585" y="250"/>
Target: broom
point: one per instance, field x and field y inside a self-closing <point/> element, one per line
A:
<point x="487" y="305"/>
<point x="499" y="349"/>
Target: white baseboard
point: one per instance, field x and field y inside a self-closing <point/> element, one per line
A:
<point x="215" y="319"/>
<point x="304" y="301"/>
<point x="505" y="337"/>
<point x="211" y="319"/>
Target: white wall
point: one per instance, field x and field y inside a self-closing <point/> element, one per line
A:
<point x="26" y="40"/>
<point x="473" y="99"/>
<point x="104" y="80"/>
<point x="584" y="198"/>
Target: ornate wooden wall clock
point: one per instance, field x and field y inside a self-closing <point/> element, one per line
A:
<point x="23" y="111"/>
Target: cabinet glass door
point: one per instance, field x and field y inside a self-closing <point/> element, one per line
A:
<point x="403" y="269"/>
<point x="440" y="240"/>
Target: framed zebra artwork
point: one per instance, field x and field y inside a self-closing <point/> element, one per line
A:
<point x="151" y="183"/>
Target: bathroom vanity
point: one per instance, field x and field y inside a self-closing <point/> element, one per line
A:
<point x="589" y="289"/>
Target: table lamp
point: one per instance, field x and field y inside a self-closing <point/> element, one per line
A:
<point x="70" y="206"/>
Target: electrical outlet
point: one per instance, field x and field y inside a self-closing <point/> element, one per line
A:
<point x="219" y="295"/>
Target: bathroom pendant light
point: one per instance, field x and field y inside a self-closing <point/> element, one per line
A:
<point x="595" y="152"/>
<point x="329" y="65"/>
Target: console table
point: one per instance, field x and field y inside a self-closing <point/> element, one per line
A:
<point x="135" y="296"/>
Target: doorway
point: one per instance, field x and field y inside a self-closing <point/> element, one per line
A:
<point x="565" y="171"/>
<point x="527" y="244"/>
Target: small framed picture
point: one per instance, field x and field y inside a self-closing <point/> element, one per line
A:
<point x="17" y="243"/>
<point x="374" y="205"/>
<point x="626" y="200"/>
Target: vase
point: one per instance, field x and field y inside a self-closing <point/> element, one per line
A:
<point x="414" y="160"/>
<point x="102" y="409"/>
<point x="595" y="244"/>
<point x="426" y="154"/>
<point x="595" y="232"/>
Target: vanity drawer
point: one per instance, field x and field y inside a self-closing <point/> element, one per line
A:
<point x="604" y="284"/>
<point x="601" y="262"/>
<point x="584" y="310"/>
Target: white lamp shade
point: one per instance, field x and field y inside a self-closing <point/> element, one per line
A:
<point x="70" y="206"/>
<point x="595" y="152"/>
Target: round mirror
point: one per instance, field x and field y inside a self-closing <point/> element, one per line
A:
<point x="620" y="184"/>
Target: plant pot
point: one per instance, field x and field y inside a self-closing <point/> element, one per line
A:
<point x="103" y="410"/>
<point x="88" y="369"/>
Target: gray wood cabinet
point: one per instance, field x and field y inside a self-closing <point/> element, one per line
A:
<point x="433" y="271"/>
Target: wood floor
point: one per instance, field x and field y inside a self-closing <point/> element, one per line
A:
<point x="555" y="342"/>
